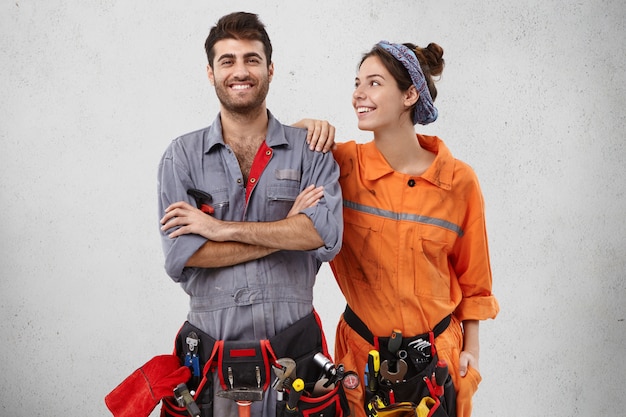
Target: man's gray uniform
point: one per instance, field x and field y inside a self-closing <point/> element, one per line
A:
<point x="258" y="299"/>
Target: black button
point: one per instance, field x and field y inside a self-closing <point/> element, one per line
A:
<point x="411" y="182"/>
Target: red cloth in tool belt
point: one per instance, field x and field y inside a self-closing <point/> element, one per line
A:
<point x="139" y="394"/>
<point x="414" y="251"/>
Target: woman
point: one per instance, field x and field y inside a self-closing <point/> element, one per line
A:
<point x="414" y="255"/>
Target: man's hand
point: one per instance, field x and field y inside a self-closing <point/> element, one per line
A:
<point x="309" y="197"/>
<point x="192" y="220"/>
<point x="320" y="134"/>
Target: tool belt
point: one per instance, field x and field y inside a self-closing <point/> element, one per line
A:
<point x="248" y="365"/>
<point x="416" y="393"/>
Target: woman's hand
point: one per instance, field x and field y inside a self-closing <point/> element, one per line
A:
<point x="466" y="360"/>
<point x="471" y="347"/>
<point x="320" y="134"/>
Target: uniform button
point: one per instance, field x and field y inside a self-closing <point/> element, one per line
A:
<point x="238" y="180"/>
<point x="252" y="180"/>
<point x="411" y="182"/>
<point x="268" y="153"/>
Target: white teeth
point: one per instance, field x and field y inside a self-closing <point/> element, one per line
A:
<point x="364" y="109"/>
<point x="240" y="86"/>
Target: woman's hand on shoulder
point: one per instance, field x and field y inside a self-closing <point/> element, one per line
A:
<point x="320" y="134"/>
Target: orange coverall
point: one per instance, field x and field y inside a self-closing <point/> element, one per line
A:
<point x="414" y="251"/>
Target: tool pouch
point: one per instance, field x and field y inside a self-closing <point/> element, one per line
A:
<point x="416" y="390"/>
<point x="244" y="364"/>
<point x="301" y="343"/>
<point x="331" y="404"/>
<point x="250" y="362"/>
<point x="198" y="351"/>
<point x="247" y="364"/>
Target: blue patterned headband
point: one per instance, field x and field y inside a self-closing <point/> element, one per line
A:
<point x="425" y="110"/>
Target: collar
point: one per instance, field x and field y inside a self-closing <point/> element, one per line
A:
<point x="275" y="133"/>
<point x="440" y="173"/>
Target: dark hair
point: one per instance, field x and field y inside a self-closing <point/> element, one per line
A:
<point x="238" y="25"/>
<point x="430" y="59"/>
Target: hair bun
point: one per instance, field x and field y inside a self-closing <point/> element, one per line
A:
<point x="433" y="54"/>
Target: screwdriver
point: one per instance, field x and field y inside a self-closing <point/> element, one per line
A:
<point x="395" y="341"/>
<point x="294" y="396"/>
<point x="441" y="374"/>
<point x="373" y="367"/>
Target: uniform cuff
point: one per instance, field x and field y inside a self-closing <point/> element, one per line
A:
<point x="477" y="308"/>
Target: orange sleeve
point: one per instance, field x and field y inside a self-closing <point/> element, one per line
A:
<point x="470" y="260"/>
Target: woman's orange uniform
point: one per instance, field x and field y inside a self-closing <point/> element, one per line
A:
<point x="414" y="251"/>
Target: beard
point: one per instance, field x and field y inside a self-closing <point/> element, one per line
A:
<point x="232" y="103"/>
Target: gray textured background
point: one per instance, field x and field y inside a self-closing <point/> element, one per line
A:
<point x="92" y="91"/>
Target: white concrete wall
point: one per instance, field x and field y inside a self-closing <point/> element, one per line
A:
<point x="92" y="91"/>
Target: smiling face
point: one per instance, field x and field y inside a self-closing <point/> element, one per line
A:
<point x="241" y="75"/>
<point x="378" y="101"/>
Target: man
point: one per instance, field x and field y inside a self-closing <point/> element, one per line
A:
<point x="249" y="265"/>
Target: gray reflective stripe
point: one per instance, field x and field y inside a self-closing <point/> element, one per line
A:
<point x="404" y="216"/>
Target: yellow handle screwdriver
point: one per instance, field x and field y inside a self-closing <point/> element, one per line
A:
<point x="294" y="395"/>
<point x="373" y="367"/>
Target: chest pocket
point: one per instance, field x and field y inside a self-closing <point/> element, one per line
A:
<point x="280" y="198"/>
<point x="220" y="203"/>
<point x="432" y="268"/>
<point x="359" y="261"/>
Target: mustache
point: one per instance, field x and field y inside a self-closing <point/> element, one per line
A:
<point x="242" y="79"/>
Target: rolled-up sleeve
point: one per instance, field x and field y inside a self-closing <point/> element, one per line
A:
<point x="327" y="215"/>
<point x="173" y="180"/>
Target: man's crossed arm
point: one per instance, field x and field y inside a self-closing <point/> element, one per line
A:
<point x="231" y="243"/>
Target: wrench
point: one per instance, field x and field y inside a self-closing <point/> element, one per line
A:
<point x="391" y="376"/>
<point x="284" y="375"/>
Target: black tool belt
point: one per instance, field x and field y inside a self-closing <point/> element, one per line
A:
<point x="409" y="343"/>
<point x="417" y="385"/>
<point x="248" y="365"/>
